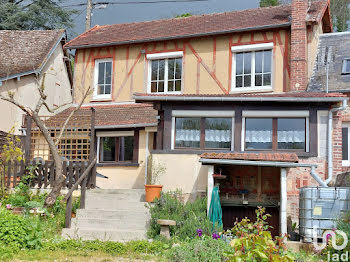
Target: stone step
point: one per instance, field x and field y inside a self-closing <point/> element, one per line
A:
<point x="99" y="202"/>
<point x="114" y="214"/>
<point x="104" y="235"/>
<point x="131" y="224"/>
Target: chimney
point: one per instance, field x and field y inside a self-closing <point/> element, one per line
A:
<point x="298" y="56"/>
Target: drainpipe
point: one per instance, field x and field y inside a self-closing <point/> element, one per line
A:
<point x="316" y="177"/>
<point x="147" y="154"/>
<point x="330" y="140"/>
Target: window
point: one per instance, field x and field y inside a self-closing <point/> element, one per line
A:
<point x="346" y="66"/>
<point x="203" y="132"/>
<point x="345" y="144"/>
<point x="116" y="149"/>
<point x="252" y="67"/>
<point x="103" y="78"/>
<point x="276" y="134"/>
<point x="165" y="72"/>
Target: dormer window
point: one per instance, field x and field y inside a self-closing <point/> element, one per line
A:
<point x="346" y="66"/>
<point x="103" y="79"/>
<point x="252" y="67"/>
<point x="165" y="72"/>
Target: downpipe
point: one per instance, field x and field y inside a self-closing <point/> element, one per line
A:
<point x="330" y="140"/>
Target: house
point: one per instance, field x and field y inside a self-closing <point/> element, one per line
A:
<point x="331" y="73"/>
<point x="229" y="92"/>
<point x="26" y="56"/>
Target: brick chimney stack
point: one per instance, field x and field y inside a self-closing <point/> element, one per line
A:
<point x="298" y="56"/>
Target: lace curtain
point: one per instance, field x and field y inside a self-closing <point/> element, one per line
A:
<point x="210" y="135"/>
<point x="265" y="136"/>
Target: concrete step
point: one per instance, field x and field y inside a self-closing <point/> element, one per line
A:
<point x="99" y="202"/>
<point x="104" y="235"/>
<point x="131" y="224"/>
<point x="122" y="194"/>
<point x="113" y="214"/>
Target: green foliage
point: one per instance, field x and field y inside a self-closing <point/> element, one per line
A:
<point x="204" y="249"/>
<point x="34" y="14"/>
<point x="189" y="217"/>
<point x="184" y="15"/>
<point x="340" y="14"/>
<point x="154" y="171"/>
<point x="266" y="3"/>
<point x="253" y="241"/>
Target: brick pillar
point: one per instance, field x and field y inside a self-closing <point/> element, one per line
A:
<point x="298" y="54"/>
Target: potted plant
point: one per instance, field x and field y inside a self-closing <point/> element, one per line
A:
<point x="154" y="172"/>
<point x="294" y="235"/>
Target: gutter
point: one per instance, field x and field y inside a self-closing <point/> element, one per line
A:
<point x="265" y="27"/>
<point x="237" y="99"/>
<point x="330" y="140"/>
<point x="126" y="126"/>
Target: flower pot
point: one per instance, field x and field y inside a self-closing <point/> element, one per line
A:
<point x="294" y="236"/>
<point x="18" y="210"/>
<point x="152" y="192"/>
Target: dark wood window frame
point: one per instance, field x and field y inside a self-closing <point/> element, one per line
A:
<point x="274" y="135"/>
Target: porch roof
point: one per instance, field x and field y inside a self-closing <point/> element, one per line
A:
<point x="254" y="159"/>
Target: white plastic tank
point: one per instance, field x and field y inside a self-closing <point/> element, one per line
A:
<point x="321" y="207"/>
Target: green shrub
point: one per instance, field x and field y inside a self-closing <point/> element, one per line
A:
<point x="189" y="217"/>
<point x="200" y="249"/>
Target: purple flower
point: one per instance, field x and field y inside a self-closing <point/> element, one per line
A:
<point x="8" y="206"/>
<point x="215" y="236"/>
<point x="199" y="232"/>
<point x="328" y="236"/>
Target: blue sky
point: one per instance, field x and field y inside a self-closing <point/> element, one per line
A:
<point x="114" y="14"/>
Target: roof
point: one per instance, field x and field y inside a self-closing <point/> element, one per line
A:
<point x="249" y="97"/>
<point x="194" y="26"/>
<point x="26" y="52"/>
<point x="279" y="157"/>
<point x="112" y="115"/>
<point x="329" y="47"/>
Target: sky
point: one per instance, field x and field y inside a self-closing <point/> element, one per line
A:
<point x="126" y="13"/>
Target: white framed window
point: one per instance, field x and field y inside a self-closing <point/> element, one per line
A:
<point x="252" y="67"/>
<point x="345" y="144"/>
<point x="103" y="78"/>
<point x="165" y="72"/>
<point x="346" y="66"/>
<point x="202" y="130"/>
<point x="275" y="131"/>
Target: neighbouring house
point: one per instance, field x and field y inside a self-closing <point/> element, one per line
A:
<point x="26" y="56"/>
<point x="226" y="102"/>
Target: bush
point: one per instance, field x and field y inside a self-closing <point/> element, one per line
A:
<point x="200" y="249"/>
<point x="189" y="217"/>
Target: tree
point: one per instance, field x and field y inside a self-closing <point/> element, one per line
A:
<point x="266" y="3"/>
<point x="34" y="15"/>
<point x="340" y="12"/>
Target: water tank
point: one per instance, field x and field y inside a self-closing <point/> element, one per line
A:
<point x="321" y="207"/>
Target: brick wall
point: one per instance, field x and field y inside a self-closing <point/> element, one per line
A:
<point x="298" y="55"/>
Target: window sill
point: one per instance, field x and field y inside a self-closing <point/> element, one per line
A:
<point x="101" y="98"/>
<point x="165" y="93"/>
<point x="236" y="90"/>
<point x="116" y="164"/>
<point x="345" y="163"/>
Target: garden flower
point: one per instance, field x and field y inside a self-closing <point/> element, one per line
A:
<point x="199" y="232"/>
<point x="8" y="206"/>
<point x="215" y="236"/>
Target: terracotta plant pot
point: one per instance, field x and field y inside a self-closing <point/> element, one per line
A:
<point x="152" y="192"/>
<point x="18" y="210"/>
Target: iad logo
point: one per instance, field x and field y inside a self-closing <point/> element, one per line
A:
<point x="332" y="234"/>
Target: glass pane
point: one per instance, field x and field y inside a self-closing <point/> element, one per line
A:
<point x="171" y="68"/>
<point x="239" y="63"/>
<point x="126" y="148"/>
<point x="267" y="79"/>
<point x="170" y="86"/>
<point x="161" y="69"/>
<point x="101" y="90"/>
<point x="218" y="132"/>
<point x="107" y="89"/>
<point x="345" y="144"/>
<point x="178" y="72"/>
<point x="247" y="62"/>
<point x="101" y="73"/>
<point x="154" y="69"/>
<point x="258" y="80"/>
<point x="239" y="80"/>
<point x="258" y="133"/>
<point x="267" y="61"/>
<point x="178" y="85"/>
<point x="153" y="87"/>
<point x="187" y="133"/>
<point x="258" y="62"/>
<point x="347" y="67"/>
<point x="291" y="133"/>
<point x="161" y="86"/>
<point x="108" y="73"/>
<point x="247" y="81"/>
<point x="108" y="148"/>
